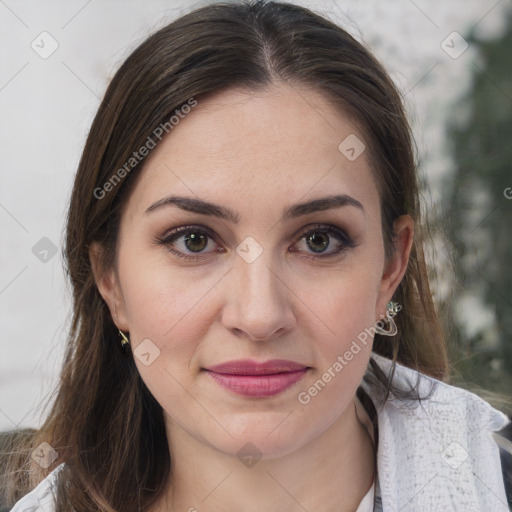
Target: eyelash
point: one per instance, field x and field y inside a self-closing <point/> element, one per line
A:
<point x="172" y="235"/>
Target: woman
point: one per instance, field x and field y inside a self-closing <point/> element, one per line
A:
<point x="253" y="325"/>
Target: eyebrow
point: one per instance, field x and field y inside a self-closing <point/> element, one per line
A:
<point x="191" y="204"/>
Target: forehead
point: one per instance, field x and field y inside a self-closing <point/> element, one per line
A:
<point x="277" y="145"/>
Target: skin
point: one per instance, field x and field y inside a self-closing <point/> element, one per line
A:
<point x="256" y="153"/>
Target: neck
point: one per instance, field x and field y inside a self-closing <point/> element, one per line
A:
<point x="331" y="473"/>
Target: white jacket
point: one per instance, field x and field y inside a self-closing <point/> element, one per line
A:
<point x="439" y="455"/>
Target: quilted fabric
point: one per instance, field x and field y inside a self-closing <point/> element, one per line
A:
<point x="438" y="454"/>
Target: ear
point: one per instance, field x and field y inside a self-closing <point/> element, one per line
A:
<point x="395" y="267"/>
<point x="107" y="283"/>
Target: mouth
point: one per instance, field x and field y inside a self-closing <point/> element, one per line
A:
<point x="251" y="378"/>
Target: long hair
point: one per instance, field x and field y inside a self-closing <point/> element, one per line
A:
<point x="103" y="422"/>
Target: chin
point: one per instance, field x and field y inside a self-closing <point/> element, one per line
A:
<point x="265" y="440"/>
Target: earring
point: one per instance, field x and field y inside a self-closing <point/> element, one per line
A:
<point x="124" y="341"/>
<point x="391" y="310"/>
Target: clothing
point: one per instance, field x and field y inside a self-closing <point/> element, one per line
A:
<point x="41" y="498"/>
<point x="439" y="455"/>
<point x="367" y="503"/>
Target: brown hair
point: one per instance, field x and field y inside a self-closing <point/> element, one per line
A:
<point x="104" y="423"/>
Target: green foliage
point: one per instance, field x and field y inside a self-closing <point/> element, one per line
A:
<point x="479" y="220"/>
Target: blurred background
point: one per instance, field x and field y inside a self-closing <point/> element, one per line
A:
<point x="450" y="59"/>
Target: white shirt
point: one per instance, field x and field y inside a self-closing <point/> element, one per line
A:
<point x="439" y="455"/>
<point x="366" y="504"/>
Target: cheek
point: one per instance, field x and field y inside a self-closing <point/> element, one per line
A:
<point x="345" y="312"/>
<point x="346" y="301"/>
<point x="342" y="356"/>
<point x="164" y="305"/>
<point x="174" y="313"/>
<point x="175" y="306"/>
<point x="160" y="298"/>
<point x="350" y="316"/>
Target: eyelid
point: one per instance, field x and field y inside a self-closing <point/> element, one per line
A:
<point x="347" y="242"/>
<point x="188" y="228"/>
<point x="335" y="231"/>
<point x="171" y="234"/>
<point x="329" y="228"/>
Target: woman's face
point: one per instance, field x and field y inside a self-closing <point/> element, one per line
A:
<point x="254" y="275"/>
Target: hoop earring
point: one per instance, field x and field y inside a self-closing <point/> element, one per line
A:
<point x="391" y="310"/>
<point x="125" y="342"/>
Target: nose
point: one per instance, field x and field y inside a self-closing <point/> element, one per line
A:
<point x="260" y="304"/>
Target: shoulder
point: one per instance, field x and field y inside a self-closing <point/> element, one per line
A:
<point x="442" y="449"/>
<point x="443" y="402"/>
<point x="504" y="440"/>
<point x="42" y="497"/>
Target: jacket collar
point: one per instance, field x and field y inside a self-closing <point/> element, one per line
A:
<point x="437" y="454"/>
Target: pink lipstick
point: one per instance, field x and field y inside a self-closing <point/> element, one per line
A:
<point x="250" y="378"/>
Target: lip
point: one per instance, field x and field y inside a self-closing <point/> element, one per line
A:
<point x="251" y="367"/>
<point x="251" y="378"/>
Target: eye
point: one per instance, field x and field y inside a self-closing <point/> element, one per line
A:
<point x="319" y="238"/>
<point x="190" y="240"/>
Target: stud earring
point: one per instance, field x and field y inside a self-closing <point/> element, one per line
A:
<point x="392" y="310"/>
